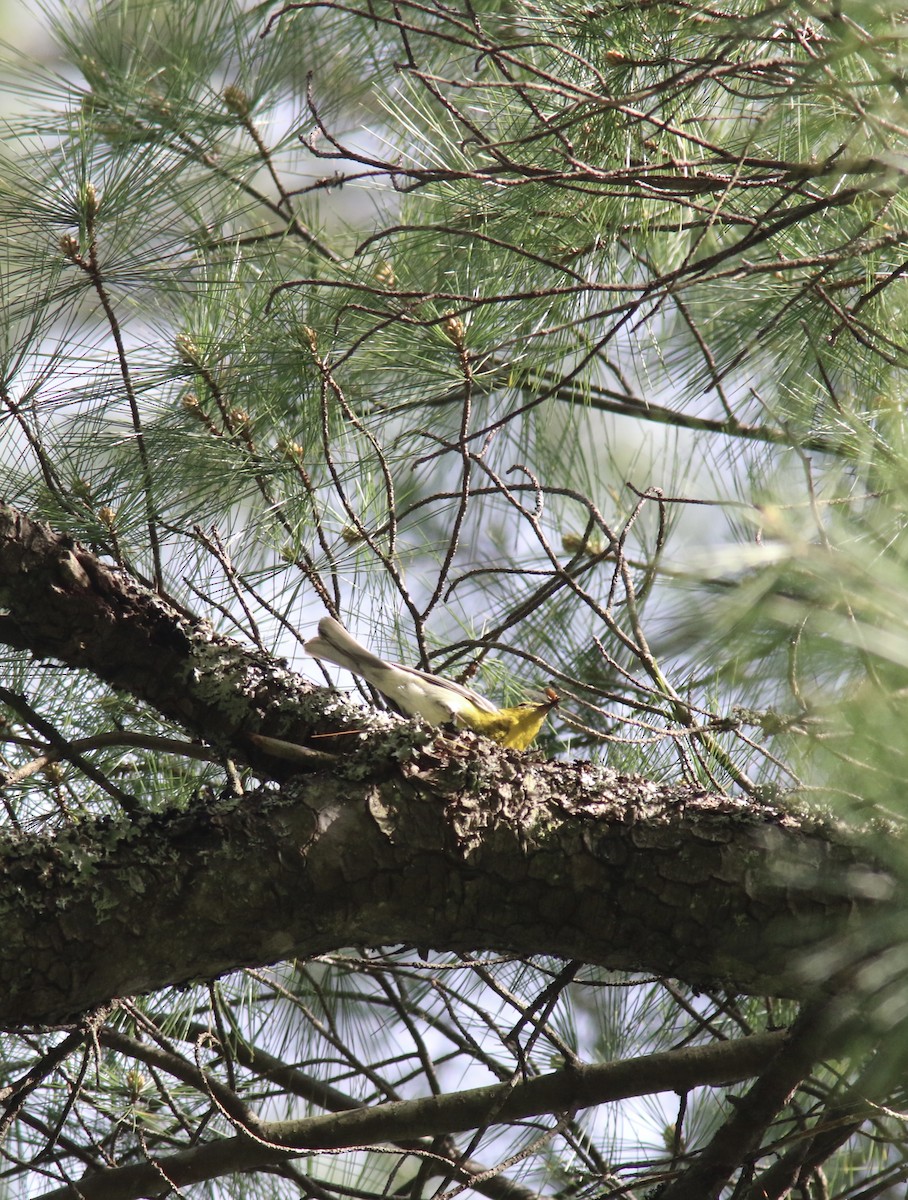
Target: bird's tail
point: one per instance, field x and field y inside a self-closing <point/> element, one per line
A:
<point x="336" y="645"/>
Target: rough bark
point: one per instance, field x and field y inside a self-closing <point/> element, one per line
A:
<point x="63" y="603"/>
<point x="454" y="844"/>
<point x="531" y="858"/>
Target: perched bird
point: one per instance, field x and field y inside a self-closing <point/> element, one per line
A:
<point x="419" y="694"/>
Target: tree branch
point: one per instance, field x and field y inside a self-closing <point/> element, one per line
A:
<point x="525" y="857"/>
<point x="64" y="603"/>
<point x="570" y="1089"/>
<point x="458" y="845"/>
<point x="810" y="1037"/>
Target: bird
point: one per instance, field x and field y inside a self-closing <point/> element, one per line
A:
<point x="437" y="700"/>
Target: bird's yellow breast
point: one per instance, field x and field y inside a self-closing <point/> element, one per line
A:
<point x="513" y="727"/>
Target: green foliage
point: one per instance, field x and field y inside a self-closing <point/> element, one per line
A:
<point x="547" y="342"/>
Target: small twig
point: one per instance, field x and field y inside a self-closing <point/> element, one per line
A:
<point x="65" y="749"/>
<point x="292" y="752"/>
<point x="92" y="268"/>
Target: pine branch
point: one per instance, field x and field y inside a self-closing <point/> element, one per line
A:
<point x="573" y="1088"/>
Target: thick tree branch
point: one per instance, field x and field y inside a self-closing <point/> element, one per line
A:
<point x="458" y="846"/>
<point x="482" y="850"/>
<point x="568" y="1090"/>
<point x="62" y="602"/>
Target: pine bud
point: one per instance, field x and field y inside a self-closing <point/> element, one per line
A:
<point x="187" y="350"/>
<point x="90" y="201"/>
<point x="290" y="449"/>
<point x="236" y="100"/>
<point x="454" y="328"/>
<point x="70" y="246"/>
<point x="573" y="543"/>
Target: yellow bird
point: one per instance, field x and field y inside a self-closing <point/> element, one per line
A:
<point x="419" y="694"/>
